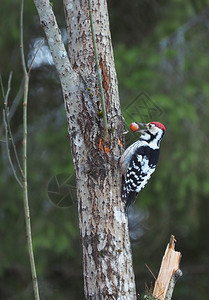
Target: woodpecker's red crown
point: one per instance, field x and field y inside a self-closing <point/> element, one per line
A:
<point x="159" y="125"/>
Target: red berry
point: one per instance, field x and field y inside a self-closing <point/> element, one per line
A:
<point x="134" y="126"/>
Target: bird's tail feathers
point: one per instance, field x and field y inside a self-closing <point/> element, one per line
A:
<point x="130" y="198"/>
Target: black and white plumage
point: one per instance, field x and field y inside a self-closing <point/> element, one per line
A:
<point x="139" y="161"/>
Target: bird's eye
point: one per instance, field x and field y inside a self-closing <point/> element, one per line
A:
<point x="150" y="126"/>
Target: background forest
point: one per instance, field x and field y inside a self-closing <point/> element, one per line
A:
<point x="162" y="58"/>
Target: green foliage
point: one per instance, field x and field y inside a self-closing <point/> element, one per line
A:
<point x="175" y="76"/>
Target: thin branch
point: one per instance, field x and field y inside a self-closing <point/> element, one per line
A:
<point x="21" y="88"/>
<point x="8" y="128"/>
<point x="31" y="64"/>
<point x="25" y="183"/>
<point x="8" y="150"/>
<point x="153" y="275"/>
<point x="2" y="86"/>
<point x="8" y="89"/>
<point x="14" y="104"/>
<point x="9" y="135"/>
<point x="98" y="73"/>
<point x="21" y="40"/>
<point x="16" y="100"/>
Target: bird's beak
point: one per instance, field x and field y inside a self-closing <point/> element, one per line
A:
<point x="143" y="125"/>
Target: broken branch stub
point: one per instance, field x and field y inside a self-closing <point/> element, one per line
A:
<point x="163" y="288"/>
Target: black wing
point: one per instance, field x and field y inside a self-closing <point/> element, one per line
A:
<point x="140" y="168"/>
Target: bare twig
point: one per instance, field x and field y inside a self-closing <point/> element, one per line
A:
<point x="9" y="137"/>
<point x="25" y="184"/>
<point x="8" y="89"/>
<point x="104" y="114"/>
<point x="31" y="64"/>
<point x="2" y="86"/>
<point x="8" y="128"/>
<point x="14" y="104"/>
<point x="153" y="275"/>
<point x="8" y="150"/>
<point x="8" y="133"/>
<point x="16" y="100"/>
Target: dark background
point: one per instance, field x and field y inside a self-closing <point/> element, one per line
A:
<point x="162" y="58"/>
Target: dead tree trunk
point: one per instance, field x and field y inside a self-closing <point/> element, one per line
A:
<point x="107" y="259"/>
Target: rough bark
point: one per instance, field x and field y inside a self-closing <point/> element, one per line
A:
<point x="107" y="259"/>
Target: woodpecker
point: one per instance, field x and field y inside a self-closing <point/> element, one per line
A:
<point x="139" y="161"/>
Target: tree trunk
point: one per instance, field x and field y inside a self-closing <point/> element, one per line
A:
<point x="107" y="259"/>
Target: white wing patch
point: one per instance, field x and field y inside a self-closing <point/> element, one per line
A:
<point x="138" y="175"/>
<point x="127" y="155"/>
<point x="139" y="157"/>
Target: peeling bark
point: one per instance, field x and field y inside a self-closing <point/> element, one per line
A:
<point x="107" y="258"/>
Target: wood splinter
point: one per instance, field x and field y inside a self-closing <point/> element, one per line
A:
<point x="169" y="272"/>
